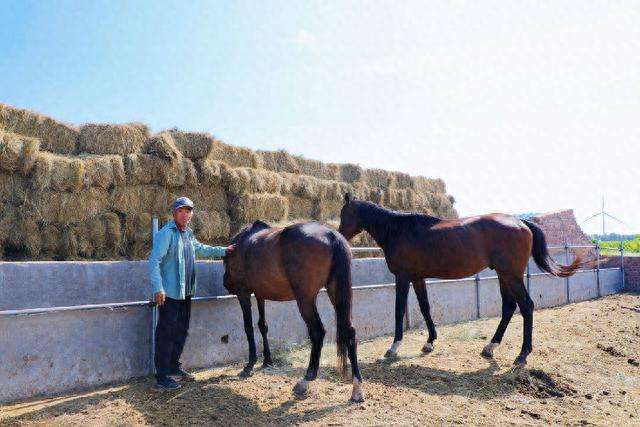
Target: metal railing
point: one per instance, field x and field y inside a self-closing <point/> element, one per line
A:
<point x="151" y="303"/>
<point x="476" y="279"/>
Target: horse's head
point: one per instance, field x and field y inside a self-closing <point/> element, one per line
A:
<point x="349" y="219"/>
<point x="234" y="262"/>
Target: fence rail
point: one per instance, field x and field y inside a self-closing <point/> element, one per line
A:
<point x="477" y="279"/>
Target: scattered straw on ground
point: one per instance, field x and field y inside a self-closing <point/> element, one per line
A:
<point x="583" y="371"/>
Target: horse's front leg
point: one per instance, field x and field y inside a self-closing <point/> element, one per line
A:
<point x="402" y="290"/>
<point x="245" y="304"/>
<point x="264" y="328"/>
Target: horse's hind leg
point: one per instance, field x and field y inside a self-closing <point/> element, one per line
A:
<point x="508" y="308"/>
<point x="514" y="292"/>
<point x="420" y="289"/>
<point x="526" y="310"/>
<point x="264" y="328"/>
<point x="358" y="393"/>
<point x="245" y="304"/>
<point x="402" y="290"/>
<point x="311" y="317"/>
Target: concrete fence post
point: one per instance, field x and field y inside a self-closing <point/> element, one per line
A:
<point x="154" y="309"/>
<point x="567" y="261"/>
<point x="598" y="267"/>
<point x="622" y="262"/>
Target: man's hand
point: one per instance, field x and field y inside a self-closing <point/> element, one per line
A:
<point x="160" y="297"/>
<point x="229" y="249"/>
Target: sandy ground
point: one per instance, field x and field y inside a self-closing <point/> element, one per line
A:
<point x="583" y="371"/>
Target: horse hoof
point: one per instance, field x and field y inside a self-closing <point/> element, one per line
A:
<point x="358" y="394"/>
<point x="520" y="360"/>
<point x="267" y="364"/>
<point x="427" y="348"/>
<point x="301" y="388"/>
<point x="245" y="374"/>
<point x="390" y="354"/>
<point x="487" y="351"/>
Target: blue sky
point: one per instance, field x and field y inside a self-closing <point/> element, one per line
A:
<point x="519" y="106"/>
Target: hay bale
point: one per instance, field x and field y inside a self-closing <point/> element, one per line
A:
<point x="29" y="235"/>
<point x="359" y="190"/>
<point x="103" y="171"/>
<point x="143" y="169"/>
<point x="57" y="172"/>
<point x="194" y="145"/>
<point x="314" y="168"/>
<point x="112" y="139"/>
<point x="233" y="156"/>
<point x="51" y="207"/>
<point x="13" y="189"/>
<point x="98" y="238"/>
<point x="69" y="246"/>
<point x="278" y="161"/>
<point x="211" y="227"/>
<point x="207" y="198"/>
<point x="265" y="207"/>
<point x="162" y="145"/>
<point x="300" y="208"/>
<point x="399" y="180"/>
<point x="209" y="171"/>
<point x="402" y="199"/>
<point x="259" y="181"/>
<point x="422" y="184"/>
<point x="233" y="182"/>
<point x="440" y="205"/>
<point x="51" y="237"/>
<point x="134" y="199"/>
<point x="17" y="152"/>
<point x="347" y="172"/>
<point x="54" y="136"/>
<point x="333" y="190"/>
<point x="137" y="231"/>
<point x="307" y="187"/>
<point x="149" y="169"/>
<point x="328" y="210"/>
<point x="8" y="220"/>
<point x="183" y="173"/>
<point x="376" y="195"/>
<point x="19" y="232"/>
<point x="377" y="178"/>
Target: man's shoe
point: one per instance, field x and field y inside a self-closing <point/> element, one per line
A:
<point x="182" y="375"/>
<point x="167" y="383"/>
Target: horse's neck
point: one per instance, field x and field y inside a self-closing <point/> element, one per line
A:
<point x="376" y="222"/>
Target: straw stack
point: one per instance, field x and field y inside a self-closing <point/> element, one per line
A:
<point x="91" y="192"/>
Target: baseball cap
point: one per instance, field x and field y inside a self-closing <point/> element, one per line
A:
<point x="181" y="202"/>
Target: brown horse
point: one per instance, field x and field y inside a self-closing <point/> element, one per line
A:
<point x="417" y="246"/>
<point x="295" y="262"/>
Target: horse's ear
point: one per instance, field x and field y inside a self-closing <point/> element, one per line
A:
<point x="347" y="198"/>
<point x="259" y="225"/>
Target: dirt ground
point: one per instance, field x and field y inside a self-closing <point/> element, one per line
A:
<point x="583" y="371"/>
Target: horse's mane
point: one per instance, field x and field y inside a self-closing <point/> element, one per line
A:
<point x="386" y="222"/>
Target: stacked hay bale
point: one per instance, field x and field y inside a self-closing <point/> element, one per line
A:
<point x="91" y="192"/>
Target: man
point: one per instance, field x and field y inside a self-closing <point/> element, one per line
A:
<point x="172" y="272"/>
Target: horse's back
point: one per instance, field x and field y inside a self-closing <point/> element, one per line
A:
<point x="306" y="251"/>
<point x="457" y="248"/>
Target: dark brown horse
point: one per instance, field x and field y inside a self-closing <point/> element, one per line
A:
<point x="418" y="246"/>
<point x="294" y="263"/>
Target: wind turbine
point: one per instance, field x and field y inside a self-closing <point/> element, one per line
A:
<point x="604" y="214"/>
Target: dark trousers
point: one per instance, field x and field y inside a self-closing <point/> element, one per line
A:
<point x="171" y="334"/>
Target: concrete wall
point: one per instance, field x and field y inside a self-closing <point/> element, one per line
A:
<point x="56" y="352"/>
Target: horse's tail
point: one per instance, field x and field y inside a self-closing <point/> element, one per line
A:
<point x="341" y="275"/>
<point x="543" y="259"/>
